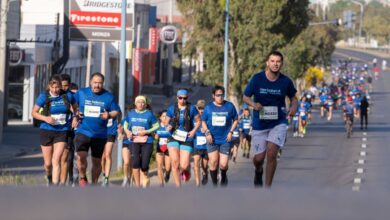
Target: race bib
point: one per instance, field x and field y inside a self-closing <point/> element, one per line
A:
<point x="302" y="113"/>
<point x="136" y="129"/>
<point x="236" y="134"/>
<point x="247" y="126"/>
<point x="163" y="141"/>
<point x="218" y="121"/>
<point x="92" y="111"/>
<point x="269" y="113"/>
<point x="201" y="140"/>
<point x="60" y="119"/>
<point x="180" y="135"/>
<point x="109" y="123"/>
<point x="295" y="118"/>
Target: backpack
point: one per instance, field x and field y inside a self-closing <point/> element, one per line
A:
<point x="188" y="125"/>
<point x="46" y="106"/>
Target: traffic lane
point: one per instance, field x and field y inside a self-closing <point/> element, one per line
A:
<point x="117" y="203"/>
<point x="361" y="55"/>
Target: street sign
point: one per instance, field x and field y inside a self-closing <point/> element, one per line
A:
<point x="15" y="55"/>
<point x="168" y="34"/>
<point x="98" y="34"/>
<point x="99" y="20"/>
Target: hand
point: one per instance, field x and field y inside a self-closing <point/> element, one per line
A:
<point x="120" y="136"/>
<point x="169" y="128"/>
<point x="50" y="120"/>
<point x="209" y="139"/>
<point x="291" y="112"/>
<point x="257" y="106"/>
<point x="129" y="135"/>
<point x="105" y="115"/>
<point x="142" y="133"/>
<point x="75" y="122"/>
<point x="229" y="137"/>
<point x="191" y="134"/>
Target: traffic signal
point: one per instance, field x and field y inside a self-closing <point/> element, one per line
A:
<point x="349" y="19"/>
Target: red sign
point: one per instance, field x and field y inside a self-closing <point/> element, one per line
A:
<point x="85" y="18"/>
<point x="153" y="41"/>
<point x="137" y="71"/>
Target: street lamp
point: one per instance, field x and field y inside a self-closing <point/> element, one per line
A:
<point x="361" y="16"/>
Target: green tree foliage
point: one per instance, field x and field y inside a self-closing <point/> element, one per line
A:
<point x="256" y="28"/>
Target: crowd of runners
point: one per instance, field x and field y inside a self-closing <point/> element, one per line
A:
<point x="186" y="138"/>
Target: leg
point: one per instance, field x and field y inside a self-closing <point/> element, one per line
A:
<point x="223" y="164"/>
<point x="213" y="161"/>
<point x="70" y="164"/>
<point x="82" y="163"/>
<point x="107" y="155"/>
<point x="136" y="157"/>
<point x="146" y="154"/>
<point x="197" y="169"/>
<point x="160" y="166"/>
<point x="174" y="155"/>
<point x="58" y="149"/>
<point x="184" y="159"/>
<point x="47" y="152"/>
<point x="259" y="150"/>
<point x="126" y="165"/>
<point x="64" y="165"/>
<point x="272" y="153"/>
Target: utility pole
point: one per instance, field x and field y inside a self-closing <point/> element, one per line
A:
<point x="170" y="53"/>
<point x="3" y="45"/>
<point x="361" y="17"/>
<point x="225" y="58"/>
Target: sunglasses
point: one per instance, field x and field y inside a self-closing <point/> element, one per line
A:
<point x="184" y="98"/>
<point x="219" y="95"/>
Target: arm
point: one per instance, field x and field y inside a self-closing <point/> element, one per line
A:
<point x="209" y="138"/>
<point x="256" y="106"/>
<point x="35" y="114"/>
<point x="196" y="127"/>
<point x="234" y="125"/>
<point x="128" y="133"/>
<point x="293" y="106"/>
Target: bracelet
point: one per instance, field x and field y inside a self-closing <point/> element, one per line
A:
<point x="207" y="133"/>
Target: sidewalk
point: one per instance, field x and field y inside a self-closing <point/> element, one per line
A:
<point x="19" y="139"/>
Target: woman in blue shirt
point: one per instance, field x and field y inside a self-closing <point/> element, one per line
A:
<point x="141" y="125"/>
<point x="55" y="126"/>
<point x="162" y="155"/>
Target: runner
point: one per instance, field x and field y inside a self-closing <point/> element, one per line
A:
<point x="181" y="116"/>
<point x="201" y="158"/>
<point x="56" y="123"/>
<point x="302" y="109"/>
<point x="112" y="132"/>
<point x="162" y="155"/>
<point x="245" y="127"/>
<point x="141" y="125"/>
<point x="219" y="120"/>
<point x="269" y="124"/>
<point x="364" y="105"/>
<point x="236" y="140"/>
<point x="96" y="106"/>
<point x="348" y="113"/>
<point x="72" y="158"/>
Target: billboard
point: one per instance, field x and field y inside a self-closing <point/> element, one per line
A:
<point x="99" y="20"/>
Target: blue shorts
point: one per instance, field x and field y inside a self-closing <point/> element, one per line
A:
<point x="222" y="148"/>
<point x="187" y="146"/>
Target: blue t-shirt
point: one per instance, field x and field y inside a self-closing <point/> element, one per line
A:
<point x="245" y="124"/>
<point x="140" y="121"/>
<point x="163" y="135"/>
<point x="200" y="139"/>
<point x="112" y="124"/>
<point x="58" y="111"/>
<point x="219" y="120"/>
<point x="92" y="105"/>
<point x="271" y="95"/>
<point x="348" y="109"/>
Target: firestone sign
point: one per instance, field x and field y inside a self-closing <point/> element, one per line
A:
<point x="98" y="19"/>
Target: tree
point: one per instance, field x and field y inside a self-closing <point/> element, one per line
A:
<point x="255" y="29"/>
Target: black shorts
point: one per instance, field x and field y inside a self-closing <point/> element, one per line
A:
<point x="246" y="136"/>
<point x="48" y="138"/>
<point x="128" y="146"/>
<point x="111" y="138"/>
<point x="235" y="142"/>
<point x="70" y="143"/>
<point x="83" y="143"/>
<point x="166" y="153"/>
<point x="202" y="153"/>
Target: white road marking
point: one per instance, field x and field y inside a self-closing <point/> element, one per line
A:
<point x="363" y="153"/>
<point x="364" y="139"/>
<point x="360" y="170"/>
<point x="356" y="188"/>
<point x="364" y="145"/>
<point x="357" y="180"/>
<point x="361" y="161"/>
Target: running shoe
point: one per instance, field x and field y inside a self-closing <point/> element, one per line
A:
<point x="125" y="183"/>
<point x="258" y="180"/>
<point x="83" y="181"/>
<point x="49" y="181"/>
<point x="105" y="182"/>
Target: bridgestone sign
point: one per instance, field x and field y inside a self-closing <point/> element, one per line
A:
<point x="99" y="20"/>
